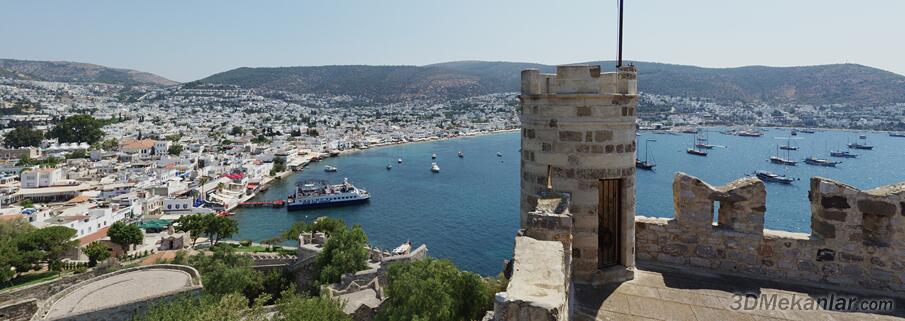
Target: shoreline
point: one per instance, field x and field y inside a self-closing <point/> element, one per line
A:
<point x="267" y="182"/>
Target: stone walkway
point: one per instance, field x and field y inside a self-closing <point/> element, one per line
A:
<point x="681" y="296"/>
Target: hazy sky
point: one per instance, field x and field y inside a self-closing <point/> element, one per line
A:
<point x="186" y="40"/>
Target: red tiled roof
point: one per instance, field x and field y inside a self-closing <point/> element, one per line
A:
<point x="87" y="239"/>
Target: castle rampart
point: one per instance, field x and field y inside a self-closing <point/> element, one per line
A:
<point x="857" y="238"/>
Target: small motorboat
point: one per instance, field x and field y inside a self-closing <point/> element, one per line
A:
<point x="771" y="177"/>
<point x="842" y="154"/>
<point x="704" y="146"/>
<point x="820" y="162"/>
<point x="329" y="168"/>
<point x="433" y="156"/>
<point x="897" y="134"/>
<point x="788" y="147"/>
<point x="499" y="154"/>
<point x="435" y="168"/>
<point x="461" y="155"/>
<point x="399" y="161"/>
<point x="389" y="167"/>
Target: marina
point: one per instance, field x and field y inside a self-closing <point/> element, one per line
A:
<point x="398" y="211"/>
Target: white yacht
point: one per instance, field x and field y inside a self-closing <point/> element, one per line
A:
<point x="435" y="168"/>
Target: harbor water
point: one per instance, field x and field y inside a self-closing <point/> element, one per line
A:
<point x="468" y="212"/>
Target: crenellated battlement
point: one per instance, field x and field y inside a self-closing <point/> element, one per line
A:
<point x="580" y="80"/>
<point x="857" y="238"/>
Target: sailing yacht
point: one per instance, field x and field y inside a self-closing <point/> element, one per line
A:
<point x="776" y="159"/>
<point x="647" y="163"/>
<point x="861" y="145"/>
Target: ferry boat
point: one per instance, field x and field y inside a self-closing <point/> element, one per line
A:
<point x="820" y="162"/>
<point x="772" y="177"/>
<point x="842" y="154"/>
<point x="329" y="168"/>
<point x="315" y="194"/>
<point x="435" y="168"/>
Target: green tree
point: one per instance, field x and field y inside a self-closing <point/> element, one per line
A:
<point x="79" y="153"/>
<point x="208" y="307"/>
<point x="26" y="203"/>
<point x="328" y="225"/>
<point x="227" y="272"/>
<point x="236" y="131"/>
<point x="219" y="227"/>
<point x="195" y="225"/>
<point x="294" y="307"/>
<point x="9" y="257"/>
<point x="96" y="252"/>
<point x="125" y="235"/>
<point x="23" y="137"/>
<point x="344" y="252"/>
<point x="431" y="289"/>
<point x="175" y="149"/>
<point x="78" y="128"/>
<point x="46" y="245"/>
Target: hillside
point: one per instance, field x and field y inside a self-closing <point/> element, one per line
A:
<point x="826" y="84"/>
<point x="76" y="72"/>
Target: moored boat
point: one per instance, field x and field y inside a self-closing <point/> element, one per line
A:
<point x="820" y="162"/>
<point x="435" y="168"/>
<point x="696" y="152"/>
<point x="771" y="177"/>
<point x="461" y="155"/>
<point x="782" y="161"/>
<point x="842" y="154"/>
<point x="389" y="167"/>
<point x="315" y="194"/>
<point x="329" y="168"/>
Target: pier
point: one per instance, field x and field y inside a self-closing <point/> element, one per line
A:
<point x="274" y="204"/>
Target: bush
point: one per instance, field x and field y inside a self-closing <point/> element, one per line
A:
<point x="431" y="289"/>
<point x="245" y="243"/>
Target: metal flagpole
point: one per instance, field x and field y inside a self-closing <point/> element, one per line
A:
<point x="619" y="37"/>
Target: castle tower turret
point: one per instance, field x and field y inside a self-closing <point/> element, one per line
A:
<point x="578" y="125"/>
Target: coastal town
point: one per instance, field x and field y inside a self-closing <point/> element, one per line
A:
<point x="192" y="148"/>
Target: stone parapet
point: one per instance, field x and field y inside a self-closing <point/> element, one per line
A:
<point x="857" y="239"/>
<point x="537" y="290"/>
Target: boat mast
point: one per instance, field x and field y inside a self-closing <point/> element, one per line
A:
<point x="619" y="37"/>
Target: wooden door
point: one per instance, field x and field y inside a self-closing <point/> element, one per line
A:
<point x="609" y="212"/>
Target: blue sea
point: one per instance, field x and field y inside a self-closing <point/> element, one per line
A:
<point x="468" y="212"/>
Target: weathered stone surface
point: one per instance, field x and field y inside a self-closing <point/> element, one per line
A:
<point x="877" y="207"/>
<point x="838" y="216"/>
<point x="603" y="135"/>
<point x="839" y="202"/>
<point x="675" y="249"/>
<point x="570" y="136"/>
<point x="823" y="229"/>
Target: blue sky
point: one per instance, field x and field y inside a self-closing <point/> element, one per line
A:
<point x="186" y="40"/>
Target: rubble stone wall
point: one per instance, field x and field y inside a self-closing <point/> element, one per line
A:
<point x="857" y="238"/>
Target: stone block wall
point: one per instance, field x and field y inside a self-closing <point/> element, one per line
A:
<point x="578" y="125"/>
<point x="537" y="290"/>
<point x="857" y="238"/>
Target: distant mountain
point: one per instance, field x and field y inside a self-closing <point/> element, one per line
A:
<point x="76" y="72"/>
<point x="826" y="84"/>
<point x="381" y="83"/>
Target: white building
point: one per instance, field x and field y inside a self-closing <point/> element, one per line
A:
<point x="42" y="177"/>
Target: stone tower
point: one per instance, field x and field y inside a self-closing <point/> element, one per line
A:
<point x="578" y="125"/>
